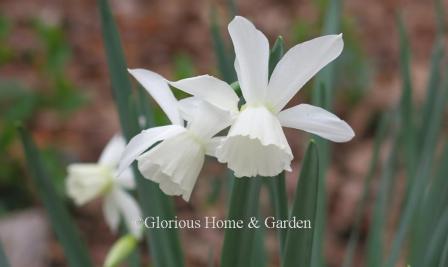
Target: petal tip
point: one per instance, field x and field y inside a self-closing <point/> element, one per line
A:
<point x="349" y="136"/>
<point x="239" y="20"/>
<point x="131" y="71"/>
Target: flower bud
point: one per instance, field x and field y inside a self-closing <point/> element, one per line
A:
<point x="120" y="250"/>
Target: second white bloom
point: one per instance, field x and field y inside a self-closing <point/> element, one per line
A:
<point x="175" y="163"/>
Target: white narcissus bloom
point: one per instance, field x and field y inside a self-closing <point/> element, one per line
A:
<point x="256" y="144"/>
<point x="87" y="181"/>
<point x="176" y="161"/>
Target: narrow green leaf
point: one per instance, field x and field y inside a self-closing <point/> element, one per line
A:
<point x="164" y="244"/>
<point x="276" y="54"/>
<point x="408" y="131"/>
<point x="299" y="242"/>
<point x="238" y="244"/>
<point x="279" y="200"/>
<point x="437" y="196"/>
<point x="440" y="17"/>
<point x="375" y="239"/>
<point x="438" y="53"/>
<point x="321" y="216"/>
<point x="259" y="254"/>
<point x="434" y="248"/>
<point x="419" y="169"/>
<point x="276" y="185"/>
<point x="325" y="78"/>
<point x="420" y="232"/>
<point x="322" y="96"/>
<point x="3" y="259"/>
<point x="65" y="229"/>
<point x="354" y="236"/>
<point x="223" y="55"/>
<point x="432" y="88"/>
<point x="117" y="67"/>
<point x="231" y="6"/>
<point x="444" y="258"/>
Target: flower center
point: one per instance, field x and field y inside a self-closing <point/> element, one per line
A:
<point x="267" y="106"/>
<point x="109" y="180"/>
<point x="197" y="139"/>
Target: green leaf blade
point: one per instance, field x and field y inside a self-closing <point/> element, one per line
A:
<point x="276" y="53"/>
<point x="66" y="231"/>
<point x="238" y="248"/>
<point x="164" y="245"/>
<point x="299" y="242"/>
<point x="322" y="96"/>
<point x="223" y="56"/>
<point x="354" y="236"/>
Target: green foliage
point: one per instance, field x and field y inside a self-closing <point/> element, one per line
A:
<point x="413" y="134"/>
<point x="360" y="208"/>
<point x="299" y="242"/>
<point x="418" y="166"/>
<point x="163" y="243"/>
<point x="6" y="52"/>
<point x="63" y="95"/>
<point x="224" y="57"/>
<point x="322" y="96"/>
<point x="183" y="67"/>
<point x="54" y="92"/>
<point x="352" y="63"/>
<point x="66" y="232"/>
<point x="276" y="185"/>
<point x="276" y="53"/>
<point x="238" y="247"/>
<point x="422" y="223"/>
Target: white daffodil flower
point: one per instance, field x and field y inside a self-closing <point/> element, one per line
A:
<point x="87" y="181"/>
<point x="175" y="163"/>
<point x="256" y="144"/>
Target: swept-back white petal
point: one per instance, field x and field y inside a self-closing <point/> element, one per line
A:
<point x="210" y="89"/>
<point x="145" y="140"/>
<point x="317" y="121"/>
<point x="158" y="88"/>
<point x="252" y="55"/>
<point x="174" y="164"/>
<point x="111" y="213"/>
<point x="207" y="120"/>
<point x="129" y="210"/>
<point x="86" y="182"/>
<point x="112" y="151"/>
<point x="299" y="65"/>
<point x="256" y="145"/>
